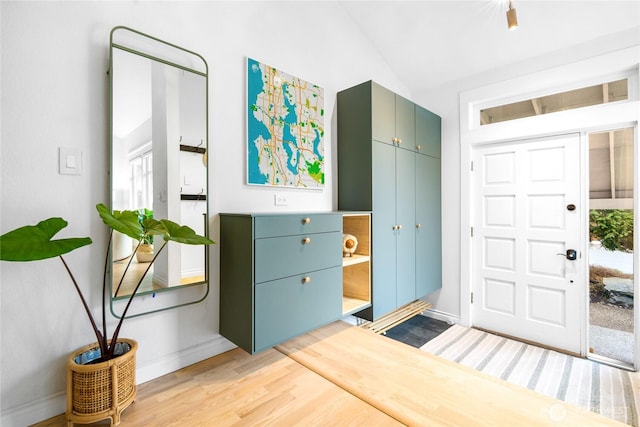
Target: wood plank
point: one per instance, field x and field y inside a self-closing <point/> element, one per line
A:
<point x="418" y="388"/>
<point x="396" y="317"/>
<point x="235" y="388"/>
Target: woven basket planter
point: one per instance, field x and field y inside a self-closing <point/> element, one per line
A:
<point x="96" y="391"/>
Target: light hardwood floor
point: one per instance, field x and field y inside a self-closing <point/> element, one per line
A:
<point x="341" y="375"/>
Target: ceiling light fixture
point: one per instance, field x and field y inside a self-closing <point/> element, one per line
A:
<point x="512" y="18"/>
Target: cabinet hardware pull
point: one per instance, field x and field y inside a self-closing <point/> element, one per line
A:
<point x="399" y="141"/>
<point x="394" y="227"/>
<point x="418" y="225"/>
<point x="306" y="220"/>
<point x="419" y="147"/>
<point x="306" y="240"/>
<point x="400" y="227"/>
<point x="306" y="279"/>
<point x="394" y="140"/>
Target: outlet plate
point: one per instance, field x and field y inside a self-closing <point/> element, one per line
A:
<point x="280" y="199"/>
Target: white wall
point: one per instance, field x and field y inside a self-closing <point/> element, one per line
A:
<point x="444" y="101"/>
<point x="55" y="94"/>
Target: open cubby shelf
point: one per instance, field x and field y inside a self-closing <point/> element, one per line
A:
<point x="356" y="269"/>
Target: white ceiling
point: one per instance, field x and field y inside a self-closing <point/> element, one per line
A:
<point x="430" y="42"/>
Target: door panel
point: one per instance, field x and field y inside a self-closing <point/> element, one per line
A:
<point x="523" y="283"/>
<point x="383" y="234"/>
<point x="428" y="230"/>
<point x="406" y="220"/>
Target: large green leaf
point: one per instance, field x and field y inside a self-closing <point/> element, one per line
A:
<point x="169" y="230"/>
<point x="33" y="242"/>
<point x="126" y="222"/>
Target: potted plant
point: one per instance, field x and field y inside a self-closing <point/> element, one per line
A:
<point x="144" y="253"/>
<point x="101" y="376"/>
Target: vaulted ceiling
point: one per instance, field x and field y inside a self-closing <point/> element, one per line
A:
<point x="429" y="42"/>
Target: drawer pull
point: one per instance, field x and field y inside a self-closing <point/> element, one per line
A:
<point x="419" y="147"/>
<point x="306" y="221"/>
<point x="306" y="279"/>
<point x="306" y="240"/>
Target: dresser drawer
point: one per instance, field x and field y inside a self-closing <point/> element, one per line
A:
<point x="288" y="307"/>
<point x="286" y="225"/>
<point x="279" y="257"/>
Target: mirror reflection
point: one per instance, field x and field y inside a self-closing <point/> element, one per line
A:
<point x="159" y="165"/>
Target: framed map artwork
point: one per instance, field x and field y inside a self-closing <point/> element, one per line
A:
<point x="285" y="129"/>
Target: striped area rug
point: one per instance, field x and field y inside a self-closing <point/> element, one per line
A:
<point x="600" y="388"/>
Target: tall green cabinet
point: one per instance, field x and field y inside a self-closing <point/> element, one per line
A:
<point x="389" y="163"/>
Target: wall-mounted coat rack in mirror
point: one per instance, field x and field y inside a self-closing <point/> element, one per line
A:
<point x="159" y="139"/>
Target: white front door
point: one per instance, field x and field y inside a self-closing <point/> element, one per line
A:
<point x="527" y="218"/>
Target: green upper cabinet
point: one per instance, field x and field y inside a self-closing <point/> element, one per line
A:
<point x="405" y="123"/>
<point x="393" y="118"/>
<point x="428" y="132"/>
<point x="383" y="112"/>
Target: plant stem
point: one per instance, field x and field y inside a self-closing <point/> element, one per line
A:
<point x="104" y="286"/>
<point x="116" y="332"/>
<point x="124" y="273"/>
<point x="101" y="341"/>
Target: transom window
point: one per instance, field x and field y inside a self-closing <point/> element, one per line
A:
<point x="577" y="98"/>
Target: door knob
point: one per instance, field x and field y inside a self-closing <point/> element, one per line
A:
<point x="571" y="254"/>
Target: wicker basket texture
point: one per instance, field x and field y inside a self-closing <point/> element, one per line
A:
<point x="90" y="388"/>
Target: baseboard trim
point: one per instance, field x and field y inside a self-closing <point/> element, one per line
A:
<point x="35" y="411"/>
<point x="184" y="357"/>
<point x="53" y="405"/>
<point x="442" y="316"/>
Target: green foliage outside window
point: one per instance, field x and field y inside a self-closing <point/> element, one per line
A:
<point x="613" y="228"/>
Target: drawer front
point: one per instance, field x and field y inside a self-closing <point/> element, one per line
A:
<point x="287" y="225"/>
<point x="288" y="307"/>
<point x="280" y="257"/>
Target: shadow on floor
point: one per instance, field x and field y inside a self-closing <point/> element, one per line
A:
<point x="417" y="330"/>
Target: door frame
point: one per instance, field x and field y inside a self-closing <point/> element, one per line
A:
<point x="616" y="65"/>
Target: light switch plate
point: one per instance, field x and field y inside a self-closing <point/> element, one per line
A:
<point x="70" y="161"/>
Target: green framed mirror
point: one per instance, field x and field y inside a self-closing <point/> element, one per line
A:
<point x="159" y="165"/>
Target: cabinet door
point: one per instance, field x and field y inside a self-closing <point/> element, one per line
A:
<point x="405" y="123"/>
<point x="291" y="306"/>
<point x="428" y="132"/>
<point x="383" y="233"/>
<point x="428" y="229"/>
<point x="405" y="219"/>
<point x="383" y="114"/>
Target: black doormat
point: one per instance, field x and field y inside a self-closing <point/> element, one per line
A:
<point x="417" y="330"/>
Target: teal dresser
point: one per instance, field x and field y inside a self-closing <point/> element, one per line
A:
<point x="280" y="276"/>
